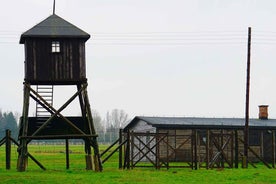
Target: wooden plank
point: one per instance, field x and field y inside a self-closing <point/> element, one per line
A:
<point x="114" y="151"/>
<point x="109" y="147"/>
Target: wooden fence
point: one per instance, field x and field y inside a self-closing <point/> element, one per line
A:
<point x="200" y="149"/>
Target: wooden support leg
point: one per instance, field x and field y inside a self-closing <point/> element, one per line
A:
<point x="88" y="158"/>
<point x="23" y="151"/>
<point x="94" y="143"/>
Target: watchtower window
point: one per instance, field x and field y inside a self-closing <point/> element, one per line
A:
<point x="55" y="46"/>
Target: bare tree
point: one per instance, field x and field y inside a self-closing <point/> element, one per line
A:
<point x="119" y="118"/>
<point x="114" y="121"/>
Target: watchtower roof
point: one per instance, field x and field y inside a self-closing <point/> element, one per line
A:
<point x="54" y="27"/>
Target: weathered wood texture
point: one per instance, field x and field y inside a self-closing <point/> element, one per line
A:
<point x="43" y="66"/>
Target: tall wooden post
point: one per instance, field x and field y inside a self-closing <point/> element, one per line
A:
<point x="8" y="149"/>
<point x="67" y="153"/>
<point x="195" y="147"/>
<point x="207" y="149"/>
<point x="221" y="145"/>
<point x="246" y="129"/>
<point x="192" y="149"/>
<point x="273" y="148"/>
<point x="236" y="150"/>
<point x="232" y="149"/>
<point x="128" y="150"/>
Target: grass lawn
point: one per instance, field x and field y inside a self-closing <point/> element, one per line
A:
<point x="53" y="158"/>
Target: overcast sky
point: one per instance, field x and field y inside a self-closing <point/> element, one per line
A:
<point x="156" y="57"/>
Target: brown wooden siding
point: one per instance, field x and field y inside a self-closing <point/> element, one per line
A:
<point x="41" y="65"/>
<point x="182" y="152"/>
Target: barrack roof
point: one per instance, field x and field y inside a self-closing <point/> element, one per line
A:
<point x="197" y="122"/>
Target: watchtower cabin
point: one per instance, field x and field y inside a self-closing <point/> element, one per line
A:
<point x="54" y="52"/>
<point x="55" y="55"/>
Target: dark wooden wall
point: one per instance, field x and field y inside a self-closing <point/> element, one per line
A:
<point x="43" y="66"/>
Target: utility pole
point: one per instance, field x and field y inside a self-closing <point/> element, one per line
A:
<point x="246" y="127"/>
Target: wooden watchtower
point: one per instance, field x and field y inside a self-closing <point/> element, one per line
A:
<point x="55" y="55"/>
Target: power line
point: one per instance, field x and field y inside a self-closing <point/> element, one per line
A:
<point x="166" y="38"/>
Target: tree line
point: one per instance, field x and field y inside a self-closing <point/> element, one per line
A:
<point x="8" y="121"/>
<point x="107" y="127"/>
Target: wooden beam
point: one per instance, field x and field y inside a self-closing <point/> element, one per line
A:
<point x="68" y="136"/>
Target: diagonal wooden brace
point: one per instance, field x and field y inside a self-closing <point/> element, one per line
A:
<point x="52" y="110"/>
<point x="57" y="112"/>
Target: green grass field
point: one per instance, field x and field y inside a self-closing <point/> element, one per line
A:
<point x="53" y="158"/>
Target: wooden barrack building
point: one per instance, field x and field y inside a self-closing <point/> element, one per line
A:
<point x="208" y="142"/>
